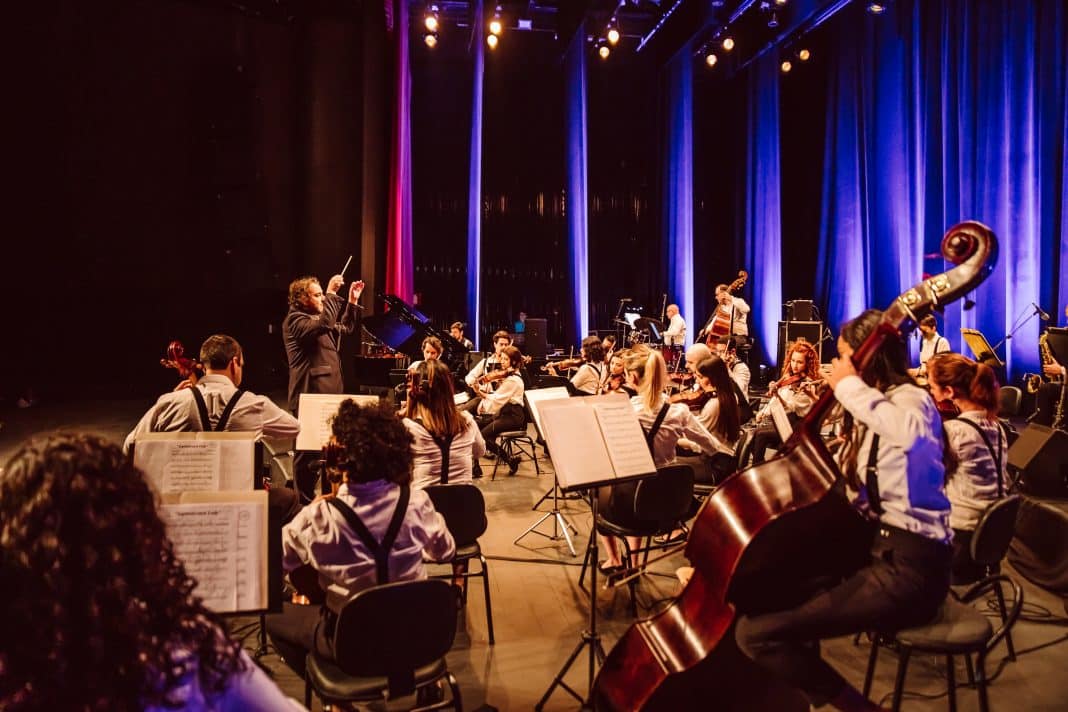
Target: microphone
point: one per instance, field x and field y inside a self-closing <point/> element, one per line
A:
<point x="1041" y="314"/>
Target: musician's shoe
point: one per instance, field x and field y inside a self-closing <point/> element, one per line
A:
<point x="476" y="471"/>
<point x="513" y="464"/>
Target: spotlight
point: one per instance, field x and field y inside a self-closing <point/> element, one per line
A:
<point x="495" y="25"/>
<point x="786" y="66"/>
<point x="613" y="36"/>
<point x="492" y="41"/>
<point x="431" y="39"/>
<point x="804" y="55"/>
<point x="603" y="50"/>
<point x="780" y="3"/>
<point x="431" y="19"/>
<point x="728" y="44"/>
<point x="773" y="21"/>
<point x="876" y="8"/>
<point x="711" y="59"/>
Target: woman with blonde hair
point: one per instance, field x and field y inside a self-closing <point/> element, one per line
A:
<point x="980" y="445"/>
<point x="446" y="442"/>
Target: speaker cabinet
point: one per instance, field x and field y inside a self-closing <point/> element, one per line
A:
<point x="810" y="331"/>
<point x="536" y="342"/>
<point x="1041" y="456"/>
<point x="801" y="310"/>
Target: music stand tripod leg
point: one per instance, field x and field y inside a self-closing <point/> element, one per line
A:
<point x="559" y="522"/>
<point x="590" y="637"/>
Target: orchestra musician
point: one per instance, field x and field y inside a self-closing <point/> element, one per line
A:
<point x="718" y="413"/>
<point x="590" y="373"/>
<point x="616" y="379"/>
<point x="980" y="446"/>
<point x="675" y="334"/>
<point x="500" y="404"/>
<point x="728" y="318"/>
<point x="931" y="343"/>
<point x="892" y="459"/>
<point x="609" y="346"/>
<point x="1051" y="392"/>
<point x="647" y="372"/>
<point x="739" y="370"/>
<point x="501" y="340"/>
<point x="431" y="348"/>
<point x="797" y="390"/>
<point x="457" y="332"/>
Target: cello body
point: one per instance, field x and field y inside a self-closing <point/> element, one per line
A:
<point x="762" y="536"/>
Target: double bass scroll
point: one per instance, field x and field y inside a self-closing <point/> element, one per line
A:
<point x="759" y="529"/>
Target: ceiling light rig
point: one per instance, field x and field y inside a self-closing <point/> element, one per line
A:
<point x="431" y="24"/>
<point x="876" y="8"/>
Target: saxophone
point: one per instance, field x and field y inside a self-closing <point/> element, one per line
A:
<point x="1035" y="380"/>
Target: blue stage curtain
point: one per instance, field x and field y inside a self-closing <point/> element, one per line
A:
<point x="474" y="186"/>
<point x="678" y="188"/>
<point x="937" y="113"/>
<point x="763" y="206"/>
<point x="400" y="271"/>
<point x="577" y="204"/>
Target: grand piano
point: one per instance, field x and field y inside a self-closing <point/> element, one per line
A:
<point x="402" y="328"/>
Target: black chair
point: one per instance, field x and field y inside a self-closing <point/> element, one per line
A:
<point x="390" y="642"/>
<point x="958" y="629"/>
<point x="464" y="510"/>
<point x="1009" y="400"/>
<point x="664" y="502"/>
<point x="990" y="544"/>
<point x="516" y="443"/>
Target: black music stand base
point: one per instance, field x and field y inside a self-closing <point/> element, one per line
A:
<point x="560" y="522"/>
<point x="589" y="637"/>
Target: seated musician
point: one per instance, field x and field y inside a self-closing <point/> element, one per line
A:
<point x="796" y="391"/>
<point x="1051" y="393"/>
<point x="446" y="442"/>
<point x="728" y="318"/>
<point x="616" y="380"/>
<point x="590" y="372"/>
<point x="892" y="459"/>
<point x="500" y="405"/>
<point x="675" y="333"/>
<point x="739" y="371"/>
<point x="609" y="347"/>
<point x="718" y="413"/>
<point x="432" y="349"/>
<point x="980" y="446"/>
<point x="931" y="343"/>
<point x="457" y="332"/>
<point x="501" y="340"/>
<point x="371" y="470"/>
<point x="664" y="424"/>
<point x="99" y="613"/>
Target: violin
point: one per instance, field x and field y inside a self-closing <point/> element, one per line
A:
<point x="563" y="364"/>
<point x="188" y="368"/>
<point x="614" y="383"/>
<point x="763" y="530"/>
<point x="499" y="375"/>
<point x="695" y="400"/>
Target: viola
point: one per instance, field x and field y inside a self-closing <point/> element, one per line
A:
<point x="761" y="532"/>
<point x="188" y="368"/>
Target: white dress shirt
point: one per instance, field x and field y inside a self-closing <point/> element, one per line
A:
<point x="320" y="536"/>
<point x="466" y="448"/>
<point x="676" y="331"/>
<point x="479" y="369"/>
<point x="937" y="344"/>
<point x="909" y="464"/>
<point x="510" y="390"/>
<point x="177" y="412"/>
<point x="678" y="423"/>
<point x="974" y="486"/>
<point x="588" y="378"/>
<point x="742" y="376"/>
<point x="709" y="418"/>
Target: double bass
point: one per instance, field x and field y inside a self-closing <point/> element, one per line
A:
<point x="761" y="532"/>
<point x="721" y="322"/>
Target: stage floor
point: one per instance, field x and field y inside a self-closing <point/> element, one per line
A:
<point x="539" y="611"/>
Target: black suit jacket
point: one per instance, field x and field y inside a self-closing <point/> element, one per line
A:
<point x="312" y="343"/>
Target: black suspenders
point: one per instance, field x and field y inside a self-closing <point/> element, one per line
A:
<point x="650" y="435"/>
<point x="202" y="408"/>
<point x="380" y="551"/>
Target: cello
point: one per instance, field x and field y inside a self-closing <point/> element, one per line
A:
<point x="765" y="529"/>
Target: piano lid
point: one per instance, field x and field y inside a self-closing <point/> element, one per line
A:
<point x="403" y="328"/>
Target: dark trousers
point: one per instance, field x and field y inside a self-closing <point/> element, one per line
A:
<point x="306" y="474"/>
<point x="903" y="585"/>
<point x="296" y="631"/>
<point x="764" y="437"/>
<point x="511" y="417"/>
<point x="965" y="569"/>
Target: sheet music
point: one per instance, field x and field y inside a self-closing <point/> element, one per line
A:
<point x="537" y="396"/>
<point x="623" y="437"/>
<point x="316" y="411"/>
<point x="222" y="541"/>
<point x="197" y="462"/>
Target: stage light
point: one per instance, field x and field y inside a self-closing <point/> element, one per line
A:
<point x="603" y="50"/>
<point x="780" y="3"/>
<point x="728" y="44"/>
<point x="804" y="55"/>
<point x="431" y="39"/>
<point x="431" y="19"/>
<point x="711" y="59"/>
<point x="773" y="21"/>
<point x="876" y="8"/>
<point x="613" y="36"/>
<point x="492" y="41"/>
<point x="786" y="66"/>
<point x="495" y="25"/>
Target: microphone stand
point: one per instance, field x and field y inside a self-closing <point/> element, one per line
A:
<point x="1017" y="325"/>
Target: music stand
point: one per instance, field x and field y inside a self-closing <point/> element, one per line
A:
<point x="653" y="326"/>
<point x="560" y="522"/>
<point x="981" y="348"/>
